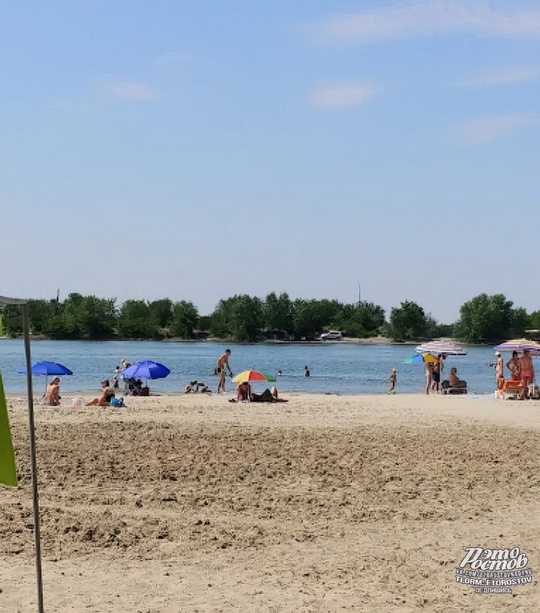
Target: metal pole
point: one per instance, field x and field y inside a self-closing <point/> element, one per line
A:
<point x="33" y="457"/>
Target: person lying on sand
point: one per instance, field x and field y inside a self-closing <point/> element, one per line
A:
<point x="52" y="395"/>
<point x="266" y="396"/>
<point x="105" y="399"/>
<point x="197" y="386"/>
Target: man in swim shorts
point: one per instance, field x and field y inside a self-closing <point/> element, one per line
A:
<point x="527" y="372"/>
<point x="222" y="364"/>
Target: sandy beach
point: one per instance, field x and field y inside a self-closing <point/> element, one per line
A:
<point x="325" y="503"/>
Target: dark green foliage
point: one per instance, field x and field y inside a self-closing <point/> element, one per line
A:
<point x="408" y="322"/>
<point x="487" y="319"/>
<point x="311" y="317"/>
<point x="161" y="312"/>
<point x="247" y="318"/>
<point x="534" y="322"/>
<point x="278" y="312"/>
<point x="11" y="320"/>
<point x="184" y="319"/>
<point x="360" y="320"/>
<point x="85" y="317"/>
<point x="134" y="320"/>
<point x="240" y="318"/>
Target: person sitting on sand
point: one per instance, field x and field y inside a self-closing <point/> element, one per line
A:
<point x="105" y="399"/>
<point x="243" y="392"/>
<point x="52" y="395"/>
<point x="453" y="379"/>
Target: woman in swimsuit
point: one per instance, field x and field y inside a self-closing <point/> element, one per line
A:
<point x="105" y="399"/>
<point x="514" y="366"/>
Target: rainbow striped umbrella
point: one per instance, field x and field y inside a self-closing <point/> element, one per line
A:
<point x="252" y="375"/>
<point x="420" y="358"/>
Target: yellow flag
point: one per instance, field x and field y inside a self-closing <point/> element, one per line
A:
<point x="8" y="471"/>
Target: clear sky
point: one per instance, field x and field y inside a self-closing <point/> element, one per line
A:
<point x="197" y="149"/>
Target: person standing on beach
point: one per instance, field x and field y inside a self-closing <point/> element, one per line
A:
<point x="499" y="369"/>
<point x="392" y="379"/>
<point x="429" y="373"/>
<point x="514" y="366"/>
<point x="438" y="367"/>
<point x="222" y="364"/>
<point x="527" y="372"/>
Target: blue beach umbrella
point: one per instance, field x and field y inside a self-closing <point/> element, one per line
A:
<point x="47" y="368"/>
<point x="146" y="369"/>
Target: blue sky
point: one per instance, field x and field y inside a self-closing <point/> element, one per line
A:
<point x="200" y="149"/>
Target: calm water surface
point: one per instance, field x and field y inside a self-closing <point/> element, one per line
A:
<point x="335" y="367"/>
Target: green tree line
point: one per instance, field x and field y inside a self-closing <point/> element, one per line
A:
<point x="483" y="319"/>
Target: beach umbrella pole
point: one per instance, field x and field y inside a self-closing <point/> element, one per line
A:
<point x="23" y="304"/>
<point x="33" y="457"/>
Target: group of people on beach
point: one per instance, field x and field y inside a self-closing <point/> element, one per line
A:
<point x="243" y="390"/>
<point x="521" y="370"/>
<point x="434" y="384"/>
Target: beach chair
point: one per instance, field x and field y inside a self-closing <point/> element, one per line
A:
<point x="460" y="388"/>
<point x="512" y="389"/>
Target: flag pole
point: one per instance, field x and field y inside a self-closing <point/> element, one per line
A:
<point x="33" y="456"/>
<point x="23" y="304"/>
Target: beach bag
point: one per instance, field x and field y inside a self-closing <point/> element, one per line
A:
<point x="534" y="392"/>
<point x="117" y="403"/>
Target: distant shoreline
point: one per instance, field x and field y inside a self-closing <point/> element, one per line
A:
<point x="374" y="340"/>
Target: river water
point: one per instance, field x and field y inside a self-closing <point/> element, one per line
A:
<point x="335" y="367"/>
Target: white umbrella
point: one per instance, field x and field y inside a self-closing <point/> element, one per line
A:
<point x="440" y="347"/>
<point x="519" y="344"/>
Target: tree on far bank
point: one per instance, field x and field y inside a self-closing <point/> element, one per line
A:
<point x="184" y="319"/>
<point x="87" y="317"/>
<point x="407" y="322"/>
<point x="161" y="312"/>
<point x="486" y="319"/>
<point x="278" y="312"/>
<point x="312" y="316"/>
<point x="239" y="317"/>
<point x="12" y="320"/>
<point x="134" y="320"/>
<point x="246" y="317"/>
<point x="534" y="322"/>
<point x="360" y="320"/>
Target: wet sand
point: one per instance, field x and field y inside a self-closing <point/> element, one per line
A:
<point x="325" y="503"/>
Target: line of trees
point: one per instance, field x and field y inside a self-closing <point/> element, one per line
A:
<point x="483" y="319"/>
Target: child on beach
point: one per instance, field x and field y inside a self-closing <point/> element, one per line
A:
<point x="392" y="379"/>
